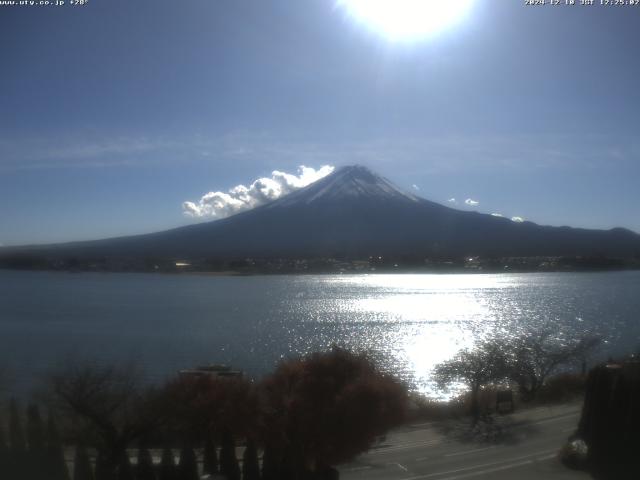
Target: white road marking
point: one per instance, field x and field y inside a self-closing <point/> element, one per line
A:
<point x="498" y="469"/>
<point x="405" y="446"/>
<point x="530" y="458"/>
<point x="466" y="452"/>
<point x="555" y="419"/>
<point x="400" y="466"/>
<point x="356" y="469"/>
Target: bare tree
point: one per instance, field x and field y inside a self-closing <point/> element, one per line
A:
<point x="528" y="360"/>
<point x="108" y="408"/>
<point x="537" y="355"/>
<point x="483" y="365"/>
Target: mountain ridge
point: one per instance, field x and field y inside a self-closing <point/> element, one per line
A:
<point x="353" y="212"/>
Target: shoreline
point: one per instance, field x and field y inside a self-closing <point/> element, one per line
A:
<point x="395" y="271"/>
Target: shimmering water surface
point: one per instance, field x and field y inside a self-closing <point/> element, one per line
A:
<point x="411" y="322"/>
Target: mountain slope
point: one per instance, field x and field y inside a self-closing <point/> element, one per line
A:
<point x="356" y="213"/>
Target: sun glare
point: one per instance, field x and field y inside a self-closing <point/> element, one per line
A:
<point x="406" y="20"/>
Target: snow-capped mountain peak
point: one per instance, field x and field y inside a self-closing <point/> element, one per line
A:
<point x="349" y="182"/>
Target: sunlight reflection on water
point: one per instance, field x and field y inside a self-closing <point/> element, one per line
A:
<point x="436" y="315"/>
<point x="408" y="322"/>
<point x="416" y="321"/>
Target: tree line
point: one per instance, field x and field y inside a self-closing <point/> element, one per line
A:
<point x="299" y="422"/>
<point x="526" y="361"/>
<point x="309" y="415"/>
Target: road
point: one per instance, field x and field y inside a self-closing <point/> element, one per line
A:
<point x="526" y="450"/>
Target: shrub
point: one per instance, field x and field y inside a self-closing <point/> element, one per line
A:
<point x="250" y="466"/>
<point x="210" y="456"/>
<point x="144" y="469"/>
<point x="329" y="407"/>
<point x="81" y="465"/>
<point x="167" y="470"/>
<point x="188" y="466"/>
<point x="228" y="461"/>
<point x="57" y="467"/>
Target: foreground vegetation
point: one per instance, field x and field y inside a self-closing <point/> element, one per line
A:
<point x="529" y="362"/>
<point x="307" y="416"/>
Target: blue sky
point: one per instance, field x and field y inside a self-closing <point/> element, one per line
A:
<point x="115" y="113"/>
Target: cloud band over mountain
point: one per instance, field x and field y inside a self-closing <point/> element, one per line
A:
<point x="223" y="204"/>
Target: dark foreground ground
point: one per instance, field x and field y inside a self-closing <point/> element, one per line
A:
<point x="522" y="446"/>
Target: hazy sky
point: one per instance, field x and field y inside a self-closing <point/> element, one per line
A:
<point x="114" y="113"/>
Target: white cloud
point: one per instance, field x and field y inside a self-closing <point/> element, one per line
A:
<point x="416" y="187"/>
<point x="471" y="202"/>
<point x="496" y="215"/>
<point x="517" y="219"/>
<point x="452" y="200"/>
<point x="239" y="198"/>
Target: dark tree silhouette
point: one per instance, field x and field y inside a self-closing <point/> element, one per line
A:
<point x="144" y="469"/>
<point x="57" y="467"/>
<point x="125" y="471"/>
<point x="18" y="464"/>
<point x="327" y="408"/>
<point x="250" y="464"/>
<point x="535" y="356"/>
<point x="200" y="405"/>
<point x="228" y="460"/>
<point x="82" y="465"/>
<point x="35" y="431"/>
<point x="109" y="406"/>
<point x="103" y="469"/>
<point x="167" y="470"/>
<point x="487" y="363"/>
<point x="188" y="466"/>
<point x="610" y="421"/>
<point x="37" y="457"/>
<point x="210" y="456"/>
<point x="270" y="464"/>
<point x="16" y="434"/>
<point x="4" y="453"/>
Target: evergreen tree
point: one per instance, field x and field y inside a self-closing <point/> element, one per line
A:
<point x="125" y="472"/>
<point x="16" y="434"/>
<point x="250" y="465"/>
<point x="289" y="467"/>
<point x="4" y="453"/>
<point x="56" y="464"/>
<point x="270" y="470"/>
<point x="103" y="470"/>
<point x="167" y="466"/>
<point x="35" y="430"/>
<point x="82" y="465"/>
<point x="188" y="467"/>
<point x="228" y="460"/>
<point x="37" y="458"/>
<point x="144" y="470"/>
<point x="210" y="457"/>
<point x="17" y="448"/>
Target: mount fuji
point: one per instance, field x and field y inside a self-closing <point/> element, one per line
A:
<point x="356" y="213"/>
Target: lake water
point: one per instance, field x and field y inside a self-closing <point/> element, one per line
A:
<point x="411" y="322"/>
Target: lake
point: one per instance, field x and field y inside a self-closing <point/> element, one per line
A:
<point x="410" y="322"/>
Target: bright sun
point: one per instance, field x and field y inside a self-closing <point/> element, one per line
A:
<point x="406" y="20"/>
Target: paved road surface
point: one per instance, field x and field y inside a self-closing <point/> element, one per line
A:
<point x="527" y="451"/>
